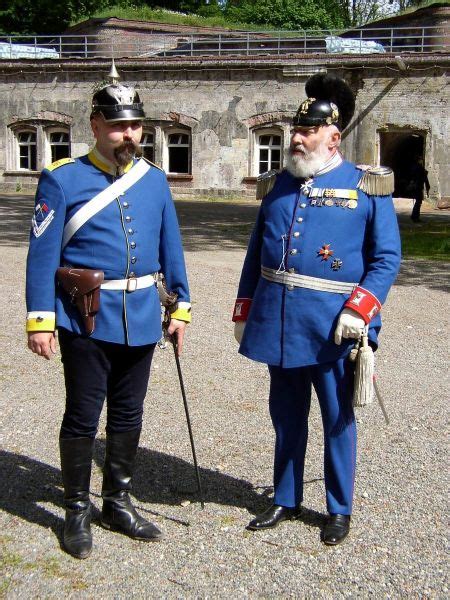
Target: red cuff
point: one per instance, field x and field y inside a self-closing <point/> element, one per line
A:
<point x="241" y="309"/>
<point x="364" y="303"/>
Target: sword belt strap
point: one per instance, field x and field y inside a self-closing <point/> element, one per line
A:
<point x="101" y="200"/>
<point x="131" y="284"/>
<point x="305" y="281"/>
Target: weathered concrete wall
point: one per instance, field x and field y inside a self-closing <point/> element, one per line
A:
<point x="223" y="106"/>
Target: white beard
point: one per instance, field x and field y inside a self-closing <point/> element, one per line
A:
<point x="308" y="164"/>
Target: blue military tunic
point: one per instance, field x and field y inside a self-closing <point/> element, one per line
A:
<point x="136" y="234"/>
<point x="308" y="230"/>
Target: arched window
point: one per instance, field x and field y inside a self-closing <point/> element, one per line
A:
<point x="148" y="145"/>
<point x="59" y="145"/>
<point x="178" y="156"/>
<point x="268" y="153"/>
<point x="33" y="144"/>
<point x="27" y="152"/>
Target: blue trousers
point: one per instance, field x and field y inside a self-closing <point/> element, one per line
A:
<point x="289" y="402"/>
<point x="95" y="371"/>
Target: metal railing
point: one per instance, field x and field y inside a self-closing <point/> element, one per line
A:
<point x="357" y="41"/>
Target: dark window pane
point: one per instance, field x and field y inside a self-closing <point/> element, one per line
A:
<point x="178" y="160"/>
<point x="264" y="140"/>
<point x="263" y="167"/>
<point x="149" y="153"/>
<point x="27" y="136"/>
<point x="263" y="154"/>
<point x="59" y="137"/>
<point x="147" y="138"/>
<point x="275" y="155"/>
<point x="275" y="164"/>
<point x="276" y="140"/>
<point x="60" y="151"/>
<point x="184" y="139"/>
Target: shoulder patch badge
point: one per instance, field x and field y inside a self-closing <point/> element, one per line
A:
<point x="376" y="181"/>
<point x="265" y="183"/>
<point x="60" y="163"/>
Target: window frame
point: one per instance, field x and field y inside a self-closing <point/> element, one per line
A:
<point x="166" y="151"/>
<point x="257" y="146"/>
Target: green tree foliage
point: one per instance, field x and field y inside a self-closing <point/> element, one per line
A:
<point x="289" y="14"/>
<point x="31" y="17"/>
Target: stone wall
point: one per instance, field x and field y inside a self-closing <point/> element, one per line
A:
<point x="223" y="102"/>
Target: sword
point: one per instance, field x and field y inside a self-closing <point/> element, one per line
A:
<point x="186" y="410"/>
<point x="380" y="400"/>
<point x="168" y="299"/>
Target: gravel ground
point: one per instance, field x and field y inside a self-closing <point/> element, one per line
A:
<point x="396" y="547"/>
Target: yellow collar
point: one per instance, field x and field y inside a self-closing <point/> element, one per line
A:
<point x="102" y="163"/>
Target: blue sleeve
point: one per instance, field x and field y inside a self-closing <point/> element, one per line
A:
<point x="45" y="244"/>
<point x="383" y="248"/>
<point x="171" y="257"/>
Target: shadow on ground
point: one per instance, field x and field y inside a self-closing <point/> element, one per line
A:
<point x="159" y="478"/>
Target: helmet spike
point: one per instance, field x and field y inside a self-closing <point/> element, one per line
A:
<point x="113" y="74"/>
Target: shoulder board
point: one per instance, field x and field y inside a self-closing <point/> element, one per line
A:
<point x="60" y="163"/>
<point x="265" y="183"/>
<point x="152" y="164"/>
<point x="376" y="181"/>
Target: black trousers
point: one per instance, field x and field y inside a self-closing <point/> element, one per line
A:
<point x="95" y="370"/>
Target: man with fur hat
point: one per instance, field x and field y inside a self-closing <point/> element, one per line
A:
<point x="323" y="254"/>
<point x="109" y="220"/>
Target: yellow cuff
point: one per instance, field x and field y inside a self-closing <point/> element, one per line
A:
<point x="40" y="321"/>
<point x="182" y="314"/>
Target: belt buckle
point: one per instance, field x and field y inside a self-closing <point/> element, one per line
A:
<point x="132" y="284"/>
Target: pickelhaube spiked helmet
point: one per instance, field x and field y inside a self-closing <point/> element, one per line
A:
<point x="330" y="101"/>
<point x="117" y="102"/>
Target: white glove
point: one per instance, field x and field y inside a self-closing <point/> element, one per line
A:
<point x="350" y="325"/>
<point x="239" y="327"/>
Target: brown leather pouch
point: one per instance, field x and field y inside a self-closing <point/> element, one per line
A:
<point x="83" y="287"/>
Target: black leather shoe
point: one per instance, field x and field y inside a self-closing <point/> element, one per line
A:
<point x="336" y="529"/>
<point x="77" y="538"/>
<point x="272" y="516"/>
<point x="118" y="514"/>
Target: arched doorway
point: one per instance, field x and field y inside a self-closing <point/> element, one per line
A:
<point x="400" y="150"/>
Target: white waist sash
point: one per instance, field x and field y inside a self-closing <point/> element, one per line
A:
<point x="101" y="200"/>
<point x="310" y="283"/>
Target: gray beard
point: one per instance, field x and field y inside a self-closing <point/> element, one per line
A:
<point x="305" y="166"/>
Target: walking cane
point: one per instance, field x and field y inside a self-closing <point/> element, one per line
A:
<point x="186" y="410"/>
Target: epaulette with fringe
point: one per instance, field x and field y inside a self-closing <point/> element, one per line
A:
<point x="153" y="164"/>
<point x="59" y="163"/>
<point x="376" y="181"/>
<point x="265" y="183"/>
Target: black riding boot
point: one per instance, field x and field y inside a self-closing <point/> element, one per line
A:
<point x="76" y="461"/>
<point x="118" y="513"/>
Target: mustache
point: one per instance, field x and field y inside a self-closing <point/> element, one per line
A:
<point x="297" y="148"/>
<point x="128" y="146"/>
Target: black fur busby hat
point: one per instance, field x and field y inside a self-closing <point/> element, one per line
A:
<point x="330" y="101"/>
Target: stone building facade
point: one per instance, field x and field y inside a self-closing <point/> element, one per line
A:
<point x="214" y="123"/>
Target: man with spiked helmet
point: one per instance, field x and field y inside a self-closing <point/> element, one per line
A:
<point x="105" y="225"/>
<point x="323" y="254"/>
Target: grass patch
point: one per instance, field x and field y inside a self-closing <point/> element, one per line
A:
<point x="155" y="15"/>
<point x="428" y="240"/>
